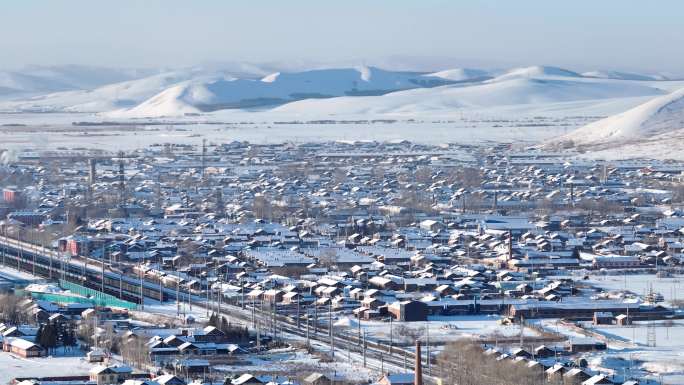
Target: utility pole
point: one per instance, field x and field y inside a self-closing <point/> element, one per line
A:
<point x="242" y="294"/>
<point x="364" y="349"/>
<point x="308" y="344"/>
<point x="391" y="341"/>
<point x="102" y="263"/>
<point x="427" y="347"/>
<point x="332" y="334"/>
<point x="204" y="156"/>
<point x="358" y="330"/>
<point x="253" y="312"/>
<point x="315" y="319"/>
<point x="273" y="319"/>
<point x="219" y="294"/>
<point x="177" y="290"/>
<point x="258" y="336"/>
<point x="142" y="298"/>
<point x="161" y="285"/>
<point x="122" y="178"/>
<point x="49" y="258"/>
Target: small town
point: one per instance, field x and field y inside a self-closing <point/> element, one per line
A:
<point x="342" y="262"/>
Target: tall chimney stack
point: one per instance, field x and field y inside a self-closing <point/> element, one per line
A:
<point x="418" y="379"/>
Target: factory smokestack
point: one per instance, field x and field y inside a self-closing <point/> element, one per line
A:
<point x="418" y="379"/>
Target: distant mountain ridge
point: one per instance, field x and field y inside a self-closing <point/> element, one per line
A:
<point x="330" y="91"/>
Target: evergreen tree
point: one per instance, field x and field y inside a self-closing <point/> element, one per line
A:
<point x="49" y="337"/>
<point x="39" y="335"/>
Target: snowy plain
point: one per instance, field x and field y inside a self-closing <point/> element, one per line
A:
<point x="525" y="105"/>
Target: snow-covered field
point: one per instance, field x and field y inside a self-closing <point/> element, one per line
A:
<point x="628" y="349"/>
<point x="521" y="105"/>
<point x="12" y="366"/>
<point x="672" y="288"/>
<point x="262" y="133"/>
<point x="665" y="359"/>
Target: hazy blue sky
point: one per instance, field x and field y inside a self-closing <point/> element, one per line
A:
<point x="580" y="34"/>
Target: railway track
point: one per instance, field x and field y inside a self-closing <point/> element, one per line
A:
<point x="48" y="263"/>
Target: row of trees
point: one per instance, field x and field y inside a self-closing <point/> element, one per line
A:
<point x="464" y="363"/>
<point x="10" y="311"/>
<point x="52" y="335"/>
<point x="234" y="333"/>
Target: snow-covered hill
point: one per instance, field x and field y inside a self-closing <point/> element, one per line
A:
<point x="43" y="79"/>
<point x="490" y="94"/>
<point x="662" y="117"/>
<point x="106" y="98"/>
<point x="462" y="74"/>
<point x="324" y="93"/>
<point x="277" y="89"/>
<point x="537" y="72"/>
<point x="622" y="75"/>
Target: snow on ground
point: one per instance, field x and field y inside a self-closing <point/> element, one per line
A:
<point x="672" y="288"/>
<point x="297" y="362"/>
<point x="11" y="274"/>
<point x="443" y="329"/>
<point x="490" y="95"/>
<point x="666" y="336"/>
<point x="461" y="74"/>
<point x="531" y="104"/>
<point x="665" y="359"/>
<point x="116" y="138"/>
<point x="652" y="129"/>
<point x="654" y="117"/>
<point x="628" y="350"/>
<point x="12" y="366"/>
<point x="44" y="288"/>
<point x="105" y="98"/>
